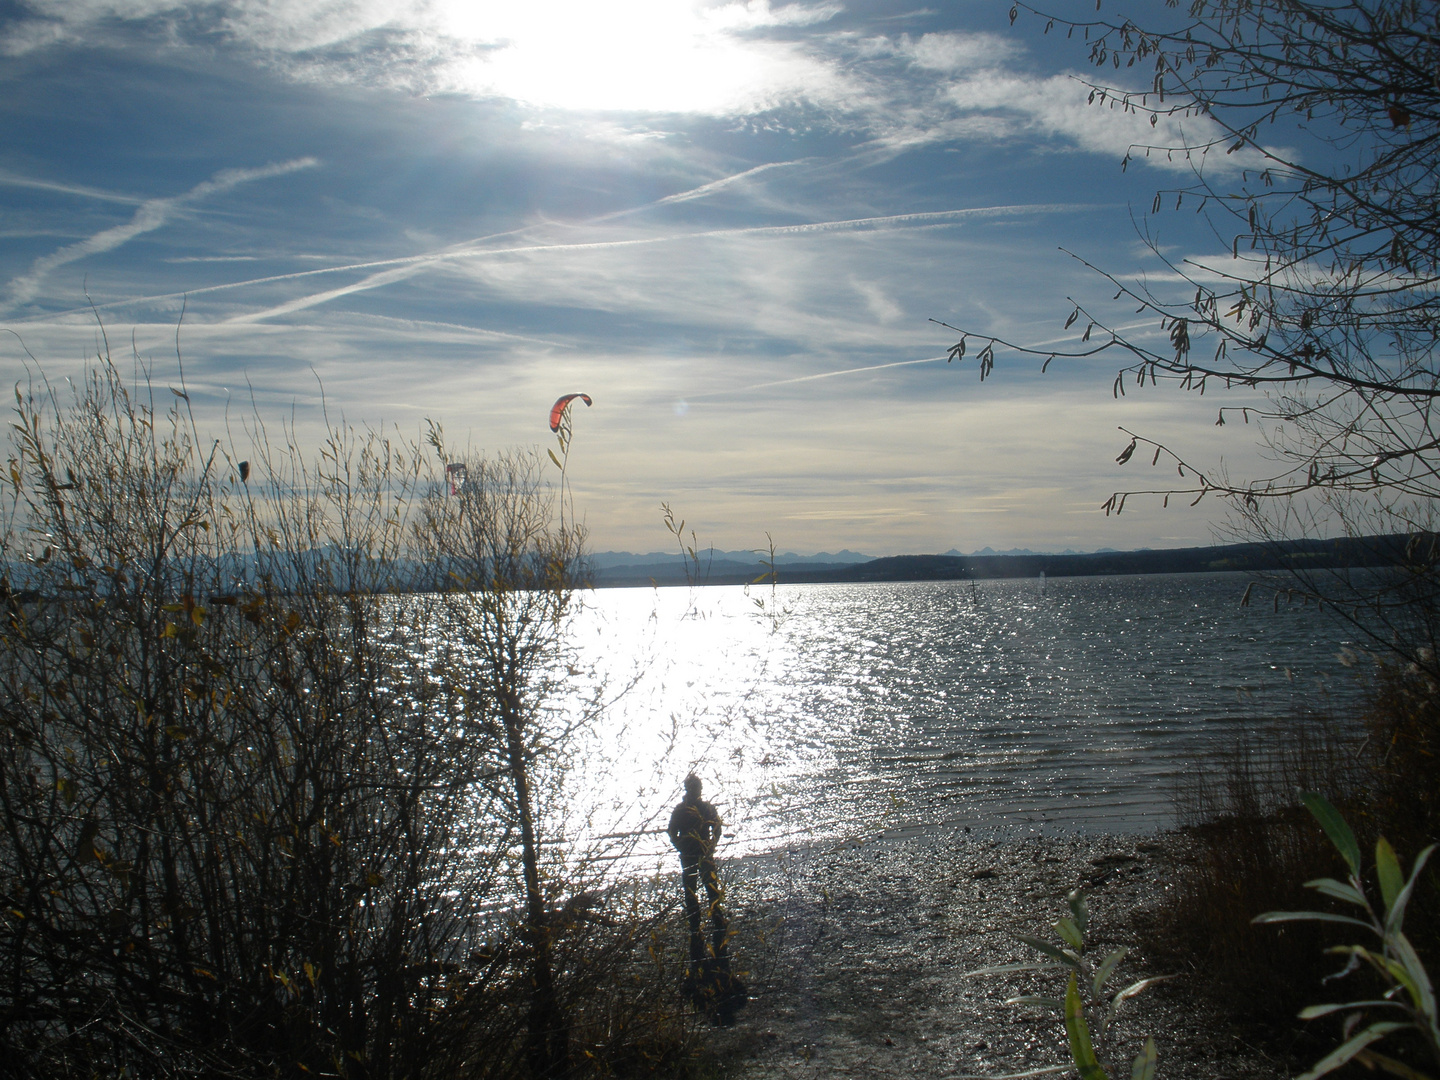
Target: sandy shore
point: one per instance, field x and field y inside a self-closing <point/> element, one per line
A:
<point x="857" y="957"/>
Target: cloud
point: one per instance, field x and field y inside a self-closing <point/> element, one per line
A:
<point x="951" y="52"/>
<point x="9" y="179"/>
<point x="652" y="56"/>
<point x="149" y="216"/>
<point x="1063" y="105"/>
<point x="647" y="58"/>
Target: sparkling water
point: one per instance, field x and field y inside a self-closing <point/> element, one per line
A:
<point x="818" y="712"/>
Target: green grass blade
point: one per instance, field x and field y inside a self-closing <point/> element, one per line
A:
<point x="1107" y="968"/>
<point x="1348" y="1049"/>
<point x="1387" y="868"/>
<point x="1335" y="828"/>
<point x="1069" y="959"/>
<point x="1070" y="934"/>
<point x="1395" y="913"/>
<point x="1337" y="889"/>
<point x="1144" y="1066"/>
<point x="1375" y="1060"/>
<point x="1415" y="978"/>
<point x="1310" y="1012"/>
<point x="1081" y="1050"/>
<point x="1308" y="916"/>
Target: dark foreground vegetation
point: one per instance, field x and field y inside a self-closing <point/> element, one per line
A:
<point x="1253" y="847"/>
<point x="279" y="767"/>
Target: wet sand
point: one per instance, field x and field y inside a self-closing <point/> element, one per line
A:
<point x="857" y="957"/>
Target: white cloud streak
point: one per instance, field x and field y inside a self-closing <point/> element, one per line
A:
<point x="815" y="377"/>
<point x="149" y="216"/>
<point x="9" y="179"/>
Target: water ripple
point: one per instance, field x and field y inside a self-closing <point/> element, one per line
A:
<point x="918" y="704"/>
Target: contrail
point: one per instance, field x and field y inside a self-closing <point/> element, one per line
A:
<point x="931" y="218"/>
<point x="373" y="281"/>
<point x="9" y="179"/>
<point x="679" y="196"/>
<point x="294" y="275"/>
<point x="812" y="378"/>
<point x="715" y="185"/>
<point x="414" y="263"/>
<point x="149" y="216"/>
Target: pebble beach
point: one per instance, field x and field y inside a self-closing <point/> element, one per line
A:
<point x="859" y="958"/>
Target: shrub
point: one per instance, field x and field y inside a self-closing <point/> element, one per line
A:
<point x="259" y="794"/>
<point x="1253" y="847"/>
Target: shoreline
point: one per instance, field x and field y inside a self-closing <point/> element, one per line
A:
<point x="857" y="958"/>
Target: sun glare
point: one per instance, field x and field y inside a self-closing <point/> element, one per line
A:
<point x="641" y="56"/>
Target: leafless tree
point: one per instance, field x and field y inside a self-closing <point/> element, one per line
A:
<point x="1326" y="301"/>
<point x="506" y="567"/>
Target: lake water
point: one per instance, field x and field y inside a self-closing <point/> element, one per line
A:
<point x="825" y="711"/>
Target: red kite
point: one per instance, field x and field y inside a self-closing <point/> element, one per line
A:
<point x="557" y="411"/>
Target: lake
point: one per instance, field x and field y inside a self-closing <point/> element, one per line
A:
<point x="817" y="712"/>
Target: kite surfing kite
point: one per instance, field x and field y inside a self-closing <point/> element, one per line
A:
<point x="455" y="473"/>
<point x="557" y="411"/>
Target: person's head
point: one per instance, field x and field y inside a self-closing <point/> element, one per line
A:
<point x="692" y="786"/>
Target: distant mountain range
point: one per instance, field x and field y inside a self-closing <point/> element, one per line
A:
<point x="607" y="560"/>
<point x="618" y="568"/>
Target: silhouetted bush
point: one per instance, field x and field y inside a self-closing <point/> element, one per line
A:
<point x="260" y="795"/>
<point x="1252" y="846"/>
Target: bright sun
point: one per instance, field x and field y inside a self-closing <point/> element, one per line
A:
<point x="640" y="55"/>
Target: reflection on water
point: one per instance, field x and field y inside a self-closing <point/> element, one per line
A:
<point x="884" y="706"/>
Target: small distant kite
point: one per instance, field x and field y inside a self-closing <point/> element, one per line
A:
<point x="455" y="473"/>
<point x="557" y="411"/>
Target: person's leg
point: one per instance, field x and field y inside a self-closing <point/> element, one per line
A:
<point x="713" y="897"/>
<point x="690" y="880"/>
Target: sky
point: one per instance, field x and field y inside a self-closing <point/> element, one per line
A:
<point x="730" y="223"/>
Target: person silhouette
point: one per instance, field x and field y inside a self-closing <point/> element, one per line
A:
<point x="695" y="830"/>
